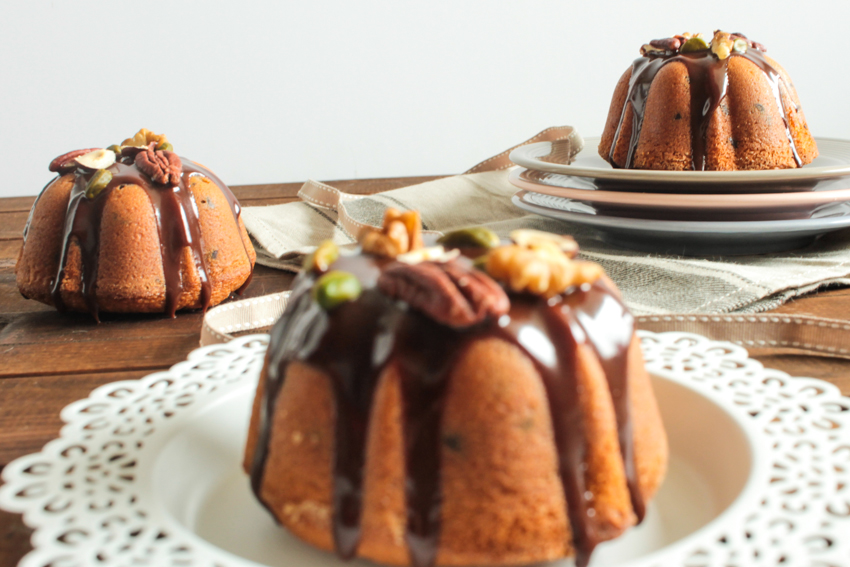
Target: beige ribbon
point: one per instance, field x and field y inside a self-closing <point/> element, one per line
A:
<point x="327" y="197"/>
<point x="553" y="134"/>
<point x="787" y="334"/>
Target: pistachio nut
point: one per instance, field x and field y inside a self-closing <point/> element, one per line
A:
<point x="322" y="257"/>
<point x="695" y="43"/>
<point x="97" y="183"/>
<point x="335" y="288"/>
<point x="165" y="147"/>
<point x="472" y="237"/>
<point x="115" y="148"/>
<point x="97" y="159"/>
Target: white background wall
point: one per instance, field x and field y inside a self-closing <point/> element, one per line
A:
<point x="273" y="91"/>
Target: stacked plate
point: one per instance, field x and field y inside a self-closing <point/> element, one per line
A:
<point x="687" y="212"/>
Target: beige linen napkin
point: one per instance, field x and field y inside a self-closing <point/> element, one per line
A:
<point x="652" y="284"/>
<point x="703" y="295"/>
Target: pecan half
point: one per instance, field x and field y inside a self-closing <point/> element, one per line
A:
<point x="65" y="163"/>
<point x="450" y="293"/>
<point x="163" y="167"/>
<point x="668" y="43"/>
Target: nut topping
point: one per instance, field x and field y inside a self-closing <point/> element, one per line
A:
<point x="750" y="43"/>
<point x="722" y="44"/>
<point x="472" y="237"/>
<point x="450" y="293"/>
<point x="696" y="43"/>
<point x="534" y="239"/>
<point x="65" y="163"/>
<point x="429" y="254"/>
<point x="97" y="159"/>
<point x="98" y="182"/>
<point x="162" y="167"/>
<point x="539" y="271"/>
<point x="143" y="138"/>
<point x="540" y="263"/>
<point x="335" y="288"/>
<point x="321" y="258"/>
<point x="666" y="44"/>
<point x="401" y="233"/>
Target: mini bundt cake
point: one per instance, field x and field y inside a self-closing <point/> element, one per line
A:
<point x="133" y="228"/>
<point x="690" y="105"/>
<point x="417" y="407"/>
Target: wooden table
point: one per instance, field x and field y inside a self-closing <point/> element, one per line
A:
<point x="49" y="359"/>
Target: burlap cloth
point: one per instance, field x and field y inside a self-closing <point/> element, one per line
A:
<point x="705" y="295"/>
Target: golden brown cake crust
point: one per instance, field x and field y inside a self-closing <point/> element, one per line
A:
<point x="746" y="130"/>
<point x="503" y="500"/>
<point x="130" y="267"/>
<point x="422" y="407"/>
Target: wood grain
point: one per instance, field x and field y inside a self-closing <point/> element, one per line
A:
<point x="37" y="421"/>
<point x="49" y="359"/>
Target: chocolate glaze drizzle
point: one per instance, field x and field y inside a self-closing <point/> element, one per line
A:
<point x="708" y="84"/>
<point x="176" y="215"/>
<point x="354" y="343"/>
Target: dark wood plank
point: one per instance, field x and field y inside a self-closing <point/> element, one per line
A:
<point x="832" y="370"/>
<point x="12" y="224"/>
<point x="14" y="539"/>
<point x="355" y="186"/>
<point x="9" y="250"/>
<point x="35" y="323"/>
<point x="12" y="303"/>
<point x="43" y="359"/>
<point x="26" y="427"/>
<point x="10" y="204"/>
<point x="45" y="342"/>
<point x="267" y="190"/>
<point x="267" y="202"/>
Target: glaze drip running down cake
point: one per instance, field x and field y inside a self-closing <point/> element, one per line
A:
<point x="688" y="104"/>
<point x="470" y="403"/>
<point x="133" y="228"/>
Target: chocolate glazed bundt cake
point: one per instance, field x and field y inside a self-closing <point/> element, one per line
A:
<point x="418" y="407"/>
<point x="133" y="228"/>
<point x="725" y="105"/>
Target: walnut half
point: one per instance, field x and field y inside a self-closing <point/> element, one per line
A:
<point x="540" y="267"/>
<point x="401" y="233"/>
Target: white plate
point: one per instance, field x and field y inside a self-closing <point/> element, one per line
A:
<point x="693" y="238"/>
<point x="833" y="161"/>
<point x="148" y="471"/>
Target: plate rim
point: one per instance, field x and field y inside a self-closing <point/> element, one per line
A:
<point x="246" y="353"/>
<point x="522" y="157"/>
<point x="785" y="226"/>
<point x="687" y="201"/>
